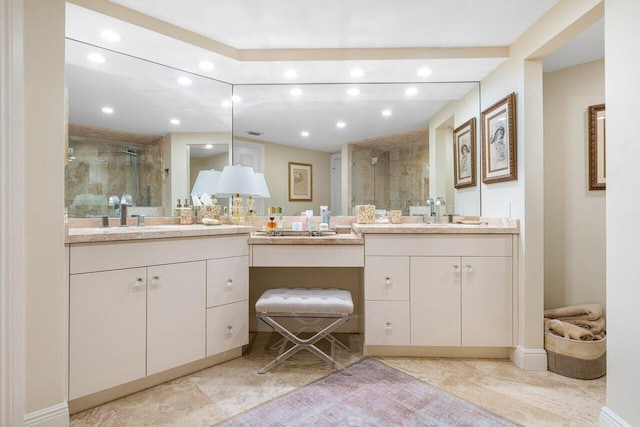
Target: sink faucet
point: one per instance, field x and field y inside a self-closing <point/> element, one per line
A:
<point x="124" y="201"/>
<point x="430" y="206"/>
<point x="439" y="205"/>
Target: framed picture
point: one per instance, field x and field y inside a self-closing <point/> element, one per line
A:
<point x="597" y="147"/>
<point x="300" y="182"/>
<point x="499" y="160"/>
<point x="464" y="154"/>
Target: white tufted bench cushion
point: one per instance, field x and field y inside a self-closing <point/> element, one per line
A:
<point x="305" y="301"/>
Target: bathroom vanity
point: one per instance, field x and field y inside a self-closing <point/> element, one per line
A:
<point x="147" y="304"/>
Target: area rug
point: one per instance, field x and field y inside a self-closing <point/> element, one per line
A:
<point x="370" y="394"/>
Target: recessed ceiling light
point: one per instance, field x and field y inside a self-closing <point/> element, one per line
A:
<point x="353" y="91"/>
<point x="424" y="72"/>
<point x="295" y="91"/>
<point x="206" y="65"/>
<point x="386" y="112"/>
<point x="236" y="98"/>
<point x="411" y="91"/>
<point x="357" y="72"/>
<point x="175" y="121"/>
<point x="341" y="124"/>
<point x="291" y="74"/>
<point x="96" y="57"/>
<point x="208" y="146"/>
<point x="111" y="36"/>
<point x="186" y="81"/>
<point x="107" y="110"/>
<point x="304" y="133"/>
<point x="227" y="103"/>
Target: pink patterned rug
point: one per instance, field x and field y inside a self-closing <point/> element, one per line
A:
<point x="373" y="394"/>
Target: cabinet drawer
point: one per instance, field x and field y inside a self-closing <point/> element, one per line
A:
<point x="227" y="280"/>
<point x="87" y="257"/>
<point x="307" y="256"/>
<point x="227" y="327"/>
<point x="439" y="245"/>
<point x="387" y="323"/>
<point x="386" y="278"/>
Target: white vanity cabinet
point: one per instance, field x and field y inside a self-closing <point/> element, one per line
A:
<point x="460" y="290"/>
<point x="138" y="308"/>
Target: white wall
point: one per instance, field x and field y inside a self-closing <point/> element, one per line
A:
<point x="574" y="217"/>
<point x="623" y="207"/>
<point x="46" y="303"/>
<point x="176" y="156"/>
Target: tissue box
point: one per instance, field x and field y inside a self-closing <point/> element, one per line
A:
<point x="365" y="214"/>
<point x="211" y="212"/>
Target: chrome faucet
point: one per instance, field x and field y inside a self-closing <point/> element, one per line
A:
<point x="430" y="206"/>
<point x="439" y="205"/>
<point x="124" y="201"/>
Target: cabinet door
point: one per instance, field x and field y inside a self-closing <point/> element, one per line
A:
<point x="386" y="278"/>
<point x="227" y="280"/>
<point x="435" y="301"/>
<point x="175" y="315"/>
<point x="387" y="323"/>
<point x="227" y="327"/>
<point x="487" y="301"/>
<point x="107" y="330"/>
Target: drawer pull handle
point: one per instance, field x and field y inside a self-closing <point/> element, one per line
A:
<point x="456" y="268"/>
<point x="229" y="283"/>
<point x="139" y="284"/>
<point x="388" y="326"/>
<point x="468" y="268"/>
<point x="229" y="329"/>
<point x="387" y="279"/>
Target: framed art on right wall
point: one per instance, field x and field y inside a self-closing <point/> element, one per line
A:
<point x="597" y="147"/>
<point x="499" y="159"/>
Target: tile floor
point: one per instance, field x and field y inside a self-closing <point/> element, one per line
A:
<point x="214" y="394"/>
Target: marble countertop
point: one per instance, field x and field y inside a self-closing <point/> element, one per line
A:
<point x="98" y="234"/>
<point x="327" y="239"/>
<point x="489" y="226"/>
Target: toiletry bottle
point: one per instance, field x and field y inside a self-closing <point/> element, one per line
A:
<point x="271" y="224"/>
<point x="303" y="220"/>
<point x="178" y="210"/>
<point x="309" y="215"/>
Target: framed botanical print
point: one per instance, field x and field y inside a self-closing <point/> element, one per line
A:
<point x="597" y="147"/>
<point x="499" y="159"/>
<point x="300" y="182"/>
<point x="464" y="154"/>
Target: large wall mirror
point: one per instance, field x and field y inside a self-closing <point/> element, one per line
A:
<point x="139" y="128"/>
<point x="385" y="144"/>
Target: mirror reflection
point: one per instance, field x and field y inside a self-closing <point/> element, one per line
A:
<point x="138" y="128"/>
<point x="390" y="145"/>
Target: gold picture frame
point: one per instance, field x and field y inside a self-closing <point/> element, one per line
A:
<point x="499" y="157"/>
<point x="597" y="147"/>
<point x="464" y="154"/>
<point x="300" y="182"/>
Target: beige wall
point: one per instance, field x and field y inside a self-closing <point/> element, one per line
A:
<point x="46" y="303"/>
<point x="441" y="181"/>
<point x="574" y="224"/>
<point x="277" y="158"/>
<point x="623" y="207"/>
<point x="217" y="162"/>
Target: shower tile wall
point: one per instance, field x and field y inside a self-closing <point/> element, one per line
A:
<point x="391" y="171"/>
<point x="102" y="169"/>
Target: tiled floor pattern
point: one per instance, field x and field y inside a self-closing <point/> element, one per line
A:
<point x="214" y="394"/>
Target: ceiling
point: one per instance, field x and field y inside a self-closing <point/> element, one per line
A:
<point x="386" y="40"/>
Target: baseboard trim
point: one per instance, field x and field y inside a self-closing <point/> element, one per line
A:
<point x="529" y="359"/>
<point x="608" y="418"/>
<point x="53" y="416"/>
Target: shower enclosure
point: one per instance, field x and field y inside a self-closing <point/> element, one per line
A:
<point x="391" y="172"/>
<point x="100" y="169"/>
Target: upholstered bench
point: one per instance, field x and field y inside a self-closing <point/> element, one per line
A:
<point x="306" y="305"/>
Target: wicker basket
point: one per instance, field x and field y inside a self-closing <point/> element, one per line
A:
<point x="585" y="360"/>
